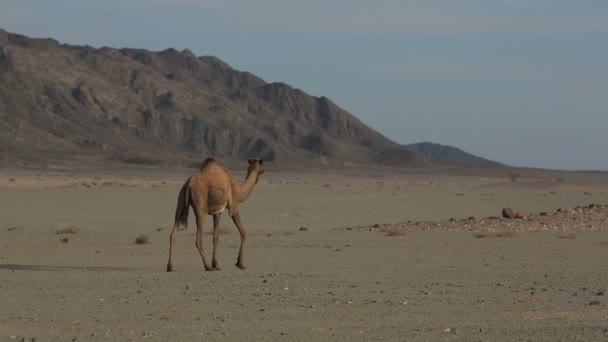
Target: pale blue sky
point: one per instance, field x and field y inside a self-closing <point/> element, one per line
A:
<point x="524" y="82"/>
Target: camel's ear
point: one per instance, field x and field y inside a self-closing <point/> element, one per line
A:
<point x="261" y="161"/>
<point x="251" y="161"/>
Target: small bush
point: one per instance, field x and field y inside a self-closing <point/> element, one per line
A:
<point x="15" y="228"/>
<point x="68" y="230"/>
<point x="142" y="240"/>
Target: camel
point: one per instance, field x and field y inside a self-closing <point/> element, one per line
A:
<point x="210" y="191"/>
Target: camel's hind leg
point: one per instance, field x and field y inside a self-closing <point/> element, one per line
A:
<point x="236" y="218"/>
<point x="171" y="243"/>
<point x="200" y="222"/>
<point x="216" y="237"/>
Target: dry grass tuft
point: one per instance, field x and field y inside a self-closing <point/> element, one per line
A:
<point x="568" y="236"/>
<point x="15" y="228"/>
<point x="142" y="240"/>
<point x="68" y="230"/>
<point x="159" y="229"/>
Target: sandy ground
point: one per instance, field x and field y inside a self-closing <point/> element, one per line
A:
<point x="323" y="283"/>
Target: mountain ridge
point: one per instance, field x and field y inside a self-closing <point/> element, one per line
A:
<point x="169" y="107"/>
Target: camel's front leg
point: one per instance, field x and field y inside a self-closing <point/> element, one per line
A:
<point x="200" y="222"/>
<point x="236" y="218"/>
<point x="216" y="237"/>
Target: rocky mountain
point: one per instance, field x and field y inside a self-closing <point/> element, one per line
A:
<point x="64" y="102"/>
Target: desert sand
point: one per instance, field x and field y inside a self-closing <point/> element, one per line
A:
<point x="409" y="257"/>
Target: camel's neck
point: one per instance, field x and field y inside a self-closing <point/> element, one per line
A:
<point x="248" y="184"/>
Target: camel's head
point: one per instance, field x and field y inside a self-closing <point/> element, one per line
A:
<point x="256" y="165"/>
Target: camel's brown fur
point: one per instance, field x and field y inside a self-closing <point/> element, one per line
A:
<point x="209" y="191"/>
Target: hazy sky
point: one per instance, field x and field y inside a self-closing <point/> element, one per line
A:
<point x="524" y="82"/>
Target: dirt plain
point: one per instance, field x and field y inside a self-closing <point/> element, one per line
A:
<point x="364" y="256"/>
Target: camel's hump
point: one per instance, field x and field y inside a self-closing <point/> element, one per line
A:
<point x="208" y="162"/>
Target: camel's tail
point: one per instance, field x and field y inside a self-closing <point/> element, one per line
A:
<point x="183" y="206"/>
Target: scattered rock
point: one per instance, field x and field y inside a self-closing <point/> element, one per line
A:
<point x="64" y="240"/>
<point x="583" y="219"/>
<point x="595" y="302"/>
<point x="303" y="229"/>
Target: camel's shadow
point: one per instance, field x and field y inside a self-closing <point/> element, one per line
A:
<point x="16" y="267"/>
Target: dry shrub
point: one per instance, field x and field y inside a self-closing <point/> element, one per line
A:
<point x="505" y="234"/>
<point x="68" y="230"/>
<point x="494" y="235"/>
<point x="15" y="228"/>
<point x="392" y="231"/>
<point x="159" y="229"/>
<point x="142" y="240"/>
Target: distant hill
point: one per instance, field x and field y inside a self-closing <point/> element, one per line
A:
<point x="449" y="154"/>
<point x="65" y="102"/>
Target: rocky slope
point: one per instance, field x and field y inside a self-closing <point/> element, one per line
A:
<point x="450" y="154"/>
